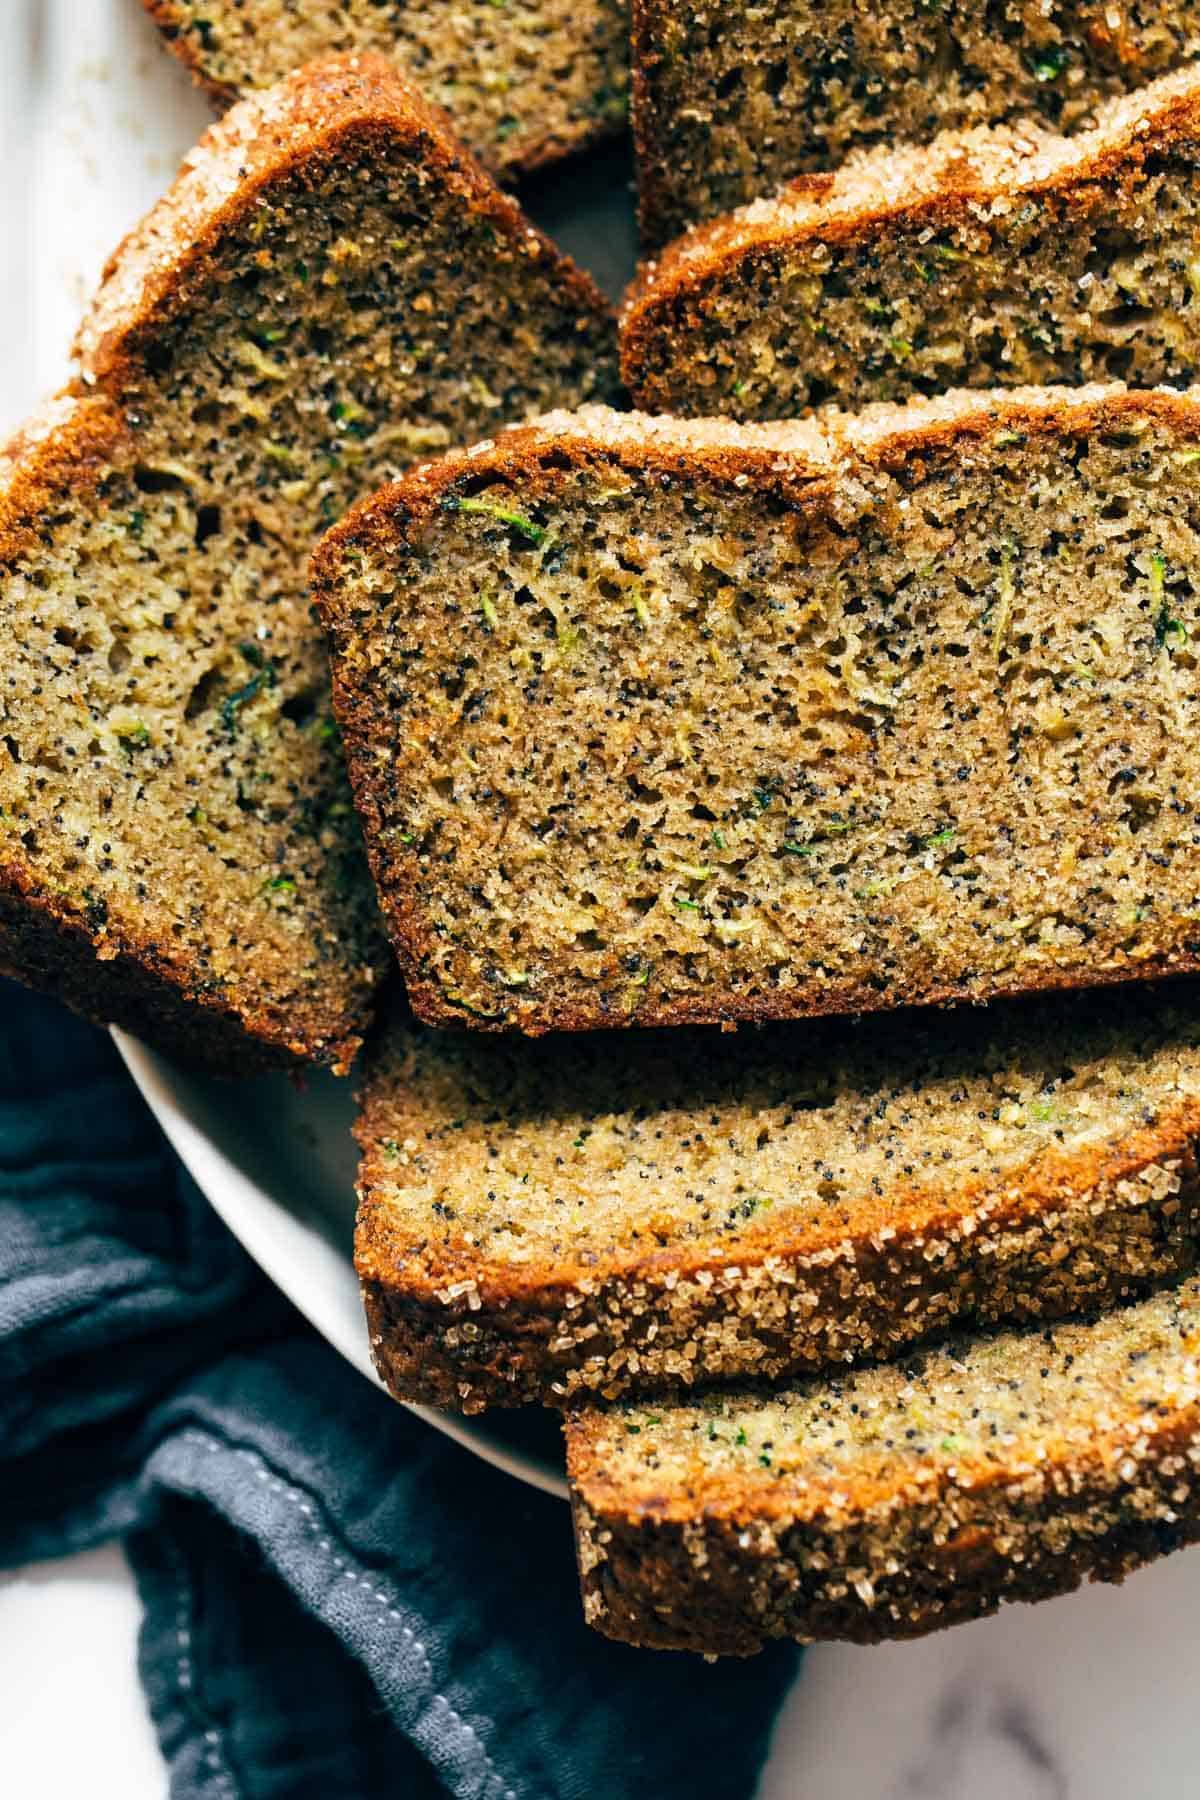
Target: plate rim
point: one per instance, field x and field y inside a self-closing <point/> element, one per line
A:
<point x="245" y="1209"/>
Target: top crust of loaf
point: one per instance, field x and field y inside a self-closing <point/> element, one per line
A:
<point x="895" y="1500"/>
<point x="775" y="452"/>
<point x="799" y="450"/>
<point x="52" y="416"/>
<point x="70" y="439"/>
<point x="612" y="1470"/>
<point x="884" y="433"/>
<point x="309" y="117"/>
<point x="698" y="154"/>
<point x="978" y="170"/>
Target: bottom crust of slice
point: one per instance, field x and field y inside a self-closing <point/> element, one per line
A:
<point x="57" y="956"/>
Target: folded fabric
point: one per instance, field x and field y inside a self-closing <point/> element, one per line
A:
<point x="339" y="1602"/>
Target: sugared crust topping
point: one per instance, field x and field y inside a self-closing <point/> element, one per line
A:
<point x="982" y="166"/>
<point x="899" y="1499"/>
<point x="313" y="114"/>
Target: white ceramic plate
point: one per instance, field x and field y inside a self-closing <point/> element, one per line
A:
<point x="277" y="1163"/>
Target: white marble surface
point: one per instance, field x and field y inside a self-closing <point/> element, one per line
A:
<point x="1090" y="1697"/>
<point x="72" y="1717"/>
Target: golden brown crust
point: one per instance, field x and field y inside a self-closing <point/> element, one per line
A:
<point x="680" y="1549"/>
<point x="966" y="1555"/>
<point x="885" y="434"/>
<point x="1075" y="1232"/>
<point x="317" y="115"/>
<point x="959" y="176"/>
<point x="34" y="431"/>
<point x="697" y="155"/>
<point x="799" y="452"/>
<point x="919" y="182"/>
<point x="803" y="462"/>
<point x="66" y="445"/>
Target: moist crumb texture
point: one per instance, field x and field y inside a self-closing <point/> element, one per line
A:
<point x="331" y="291"/>
<point x="897" y="1499"/>
<point x="525" y="81"/>
<point x="993" y="257"/>
<point x="729" y="102"/>
<point x="653" y="723"/>
<point x="583" y="1216"/>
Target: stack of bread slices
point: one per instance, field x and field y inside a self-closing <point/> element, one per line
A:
<point x="780" y="801"/>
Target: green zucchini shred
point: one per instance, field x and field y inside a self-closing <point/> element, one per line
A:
<point x="503" y="514"/>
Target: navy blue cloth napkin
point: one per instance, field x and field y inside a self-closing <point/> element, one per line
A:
<point x="339" y="1602"/>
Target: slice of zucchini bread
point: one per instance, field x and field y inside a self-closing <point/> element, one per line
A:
<point x="729" y="102"/>
<point x="653" y="722"/>
<point x="898" y="1499"/>
<point x="567" y="1218"/>
<point x="525" y="81"/>
<point x="993" y="257"/>
<point x="330" y="289"/>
